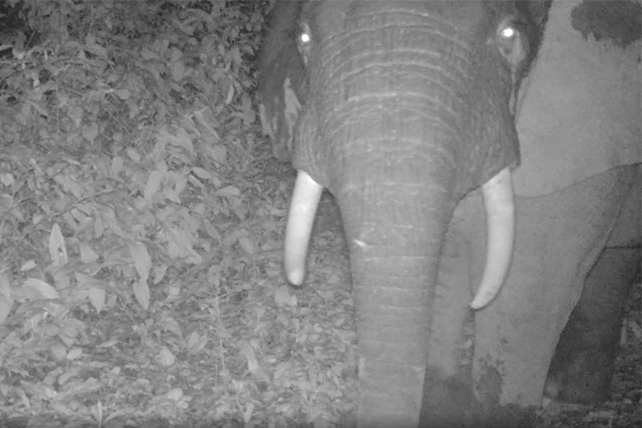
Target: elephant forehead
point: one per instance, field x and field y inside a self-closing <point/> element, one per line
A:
<point x="580" y="110"/>
<point x="464" y="17"/>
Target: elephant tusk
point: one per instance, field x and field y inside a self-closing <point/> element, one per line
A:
<point x="500" y="214"/>
<point x="303" y="208"/>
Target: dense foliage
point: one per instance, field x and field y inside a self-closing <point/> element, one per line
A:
<point x="128" y="182"/>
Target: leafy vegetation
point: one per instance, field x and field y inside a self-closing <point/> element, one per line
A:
<point x="141" y="223"/>
<point x="132" y="189"/>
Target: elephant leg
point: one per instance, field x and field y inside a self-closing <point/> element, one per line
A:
<point x="583" y="363"/>
<point x="582" y="367"/>
<point x="558" y="240"/>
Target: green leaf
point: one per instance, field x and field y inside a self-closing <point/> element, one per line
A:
<point x="247" y="244"/>
<point x="201" y="173"/>
<point x="87" y="254"/>
<point x="142" y="260"/>
<point x="123" y="94"/>
<point x="180" y="245"/>
<point x="6" y="300"/>
<point x="90" y="132"/>
<point x="57" y="248"/>
<point x="166" y="357"/>
<point x="74" y="353"/>
<point x="228" y="191"/>
<point x="153" y="185"/>
<point x="96" y="50"/>
<point x="177" y="69"/>
<point x="158" y="273"/>
<point x="96" y="298"/>
<point x="141" y="291"/>
<point x="38" y="289"/>
<point x="195" y="343"/>
<point x="248" y="352"/>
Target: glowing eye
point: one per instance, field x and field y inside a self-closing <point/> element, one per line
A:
<point x="511" y="42"/>
<point x="507" y="32"/>
<point x="304" y="42"/>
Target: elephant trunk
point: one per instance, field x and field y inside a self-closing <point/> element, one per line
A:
<point x="395" y="232"/>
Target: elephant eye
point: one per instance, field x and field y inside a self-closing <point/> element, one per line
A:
<point x="304" y="42"/>
<point x="507" y="33"/>
<point x="511" y="42"/>
<point x="305" y="38"/>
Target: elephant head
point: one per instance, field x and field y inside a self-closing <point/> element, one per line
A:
<point x="282" y="86"/>
<point x="402" y="108"/>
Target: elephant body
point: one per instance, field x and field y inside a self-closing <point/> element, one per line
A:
<point x="583" y="363"/>
<point x="561" y="238"/>
<point x="585" y="90"/>
<point x="577" y="197"/>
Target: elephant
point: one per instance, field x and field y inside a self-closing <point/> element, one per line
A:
<point x="282" y="83"/>
<point x="475" y="149"/>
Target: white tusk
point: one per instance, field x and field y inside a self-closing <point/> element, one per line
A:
<point x="303" y="208"/>
<point x="500" y="214"/>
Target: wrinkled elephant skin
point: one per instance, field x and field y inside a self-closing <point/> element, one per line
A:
<point x="403" y="110"/>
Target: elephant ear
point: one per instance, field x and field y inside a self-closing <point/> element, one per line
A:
<point x="282" y="79"/>
<point x="579" y="113"/>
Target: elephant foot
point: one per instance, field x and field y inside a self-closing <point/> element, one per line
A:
<point x="448" y="402"/>
<point x="586" y="379"/>
<point x="582" y="367"/>
<point x="510" y="416"/>
<point x="490" y="414"/>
